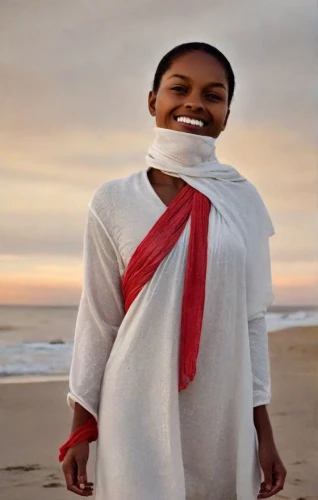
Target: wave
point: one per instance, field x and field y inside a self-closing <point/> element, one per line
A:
<point x="42" y="358"/>
<point x="36" y="358"/>
<point x="275" y="321"/>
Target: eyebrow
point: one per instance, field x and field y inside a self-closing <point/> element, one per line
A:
<point x="211" y="84"/>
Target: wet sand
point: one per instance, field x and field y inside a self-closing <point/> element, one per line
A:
<point x="35" y="420"/>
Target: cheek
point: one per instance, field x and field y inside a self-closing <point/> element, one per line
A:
<point x="219" y="112"/>
<point x="165" y="101"/>
<point x="164" y="107"/>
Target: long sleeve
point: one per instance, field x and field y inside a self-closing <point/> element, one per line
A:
<point x="258" y="338"/>
<point x="259" y="297"/>
<point x="99" y="316"/>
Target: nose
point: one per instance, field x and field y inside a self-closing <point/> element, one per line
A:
<point x="194" y="102"/>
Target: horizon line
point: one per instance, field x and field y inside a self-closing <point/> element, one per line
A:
<point x="314" y="306"/>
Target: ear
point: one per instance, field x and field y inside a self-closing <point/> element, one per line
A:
<point x="152" y="97"/>
<point x="226" y="119"/>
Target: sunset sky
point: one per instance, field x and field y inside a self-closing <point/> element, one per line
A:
<point x="74" y="80"/>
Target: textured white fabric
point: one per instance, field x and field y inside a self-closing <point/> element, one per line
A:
<point x="154" y="442"/>
<point x="188" y="155"/>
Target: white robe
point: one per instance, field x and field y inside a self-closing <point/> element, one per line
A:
<point x="154" y="442"/>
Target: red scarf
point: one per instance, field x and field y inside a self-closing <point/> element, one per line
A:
<point x="155" y="247"/>
<point x="87" y="432"/>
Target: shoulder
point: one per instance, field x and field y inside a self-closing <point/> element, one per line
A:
<point x="111" y="196"/>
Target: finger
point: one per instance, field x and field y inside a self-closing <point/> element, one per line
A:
<point x="76" y="476"/>
<point x="268" y="477"/>
<point x="85" y="486"/>
<point x="279" y="481"/>
<point x="68" y="469"/>
<point x="71" y="486"/>
<point x="265" y="493"/>
<point x="78" y="491"/>
<point x="88" y="489"/>
<point x="270" y="493"/>
<point x="81" y="473"/>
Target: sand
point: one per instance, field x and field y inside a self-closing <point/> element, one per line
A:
<point x="34" y="421"/>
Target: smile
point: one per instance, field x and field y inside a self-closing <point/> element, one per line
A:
<point x="190" y="121"/>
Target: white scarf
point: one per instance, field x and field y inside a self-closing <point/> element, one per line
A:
<point x="184" y="155"/>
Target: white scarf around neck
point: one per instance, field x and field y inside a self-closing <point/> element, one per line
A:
<point x="181" y="154"/>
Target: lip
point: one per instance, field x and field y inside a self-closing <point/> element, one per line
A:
<point x="191" y="118"/>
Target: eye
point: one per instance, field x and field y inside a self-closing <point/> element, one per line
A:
<point x="179" y="88"/>
<point x="213" y="97"/>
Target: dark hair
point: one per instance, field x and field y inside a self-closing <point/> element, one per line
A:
<point x="185" y="48"/>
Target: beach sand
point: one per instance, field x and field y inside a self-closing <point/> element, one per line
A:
<point x="35" y="420"/>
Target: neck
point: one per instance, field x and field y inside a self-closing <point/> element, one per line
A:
<point x="158" y="178"/>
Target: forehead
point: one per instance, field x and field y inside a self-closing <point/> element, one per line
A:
<point x="198" y="66"/>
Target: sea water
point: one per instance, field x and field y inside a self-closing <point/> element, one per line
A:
<point x="38" y="340"/>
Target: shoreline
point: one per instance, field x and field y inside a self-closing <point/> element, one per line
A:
<point x="64" y="377"/>
<point x="32" y="379"/>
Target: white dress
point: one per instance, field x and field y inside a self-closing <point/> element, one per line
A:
<point x="154" y="442"/>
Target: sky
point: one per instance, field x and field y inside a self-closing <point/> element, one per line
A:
<point x="74" y="82"/>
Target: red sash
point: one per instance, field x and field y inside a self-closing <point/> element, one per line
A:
<point x="87" y="432"/>
<point x="155" y="247"/>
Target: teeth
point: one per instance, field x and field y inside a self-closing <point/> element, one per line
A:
<point x="184" y="119"/>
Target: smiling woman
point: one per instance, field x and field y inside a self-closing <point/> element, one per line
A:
<point x="170" y="353"/>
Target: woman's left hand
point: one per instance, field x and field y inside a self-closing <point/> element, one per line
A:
<point x="273" y="469"/>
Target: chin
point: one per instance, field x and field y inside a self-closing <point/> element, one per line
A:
<point x="190" y="129"/>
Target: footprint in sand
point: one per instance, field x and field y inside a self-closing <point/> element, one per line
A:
<point x="53" y="485"/>
<point x="24" y="468"/>
<point x="295" y="482"/>
<point x="53" y="481"/>
<point x="14" y="474"/>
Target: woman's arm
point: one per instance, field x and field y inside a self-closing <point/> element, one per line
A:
<point x="262" y="424"/>
<point x="100" y="314"/>
<point x="80" y="417"/>
<point x="272" y="466"/>
<point x="259" y="296"/>
<point x="76" y="458"/>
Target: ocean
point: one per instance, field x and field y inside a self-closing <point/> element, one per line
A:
<point x="38" y="340"/>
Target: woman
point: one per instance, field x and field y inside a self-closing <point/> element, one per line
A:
<point x="171" y="353"/>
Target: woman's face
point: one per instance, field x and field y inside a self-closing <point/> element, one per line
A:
<point x="195" y="87"/>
